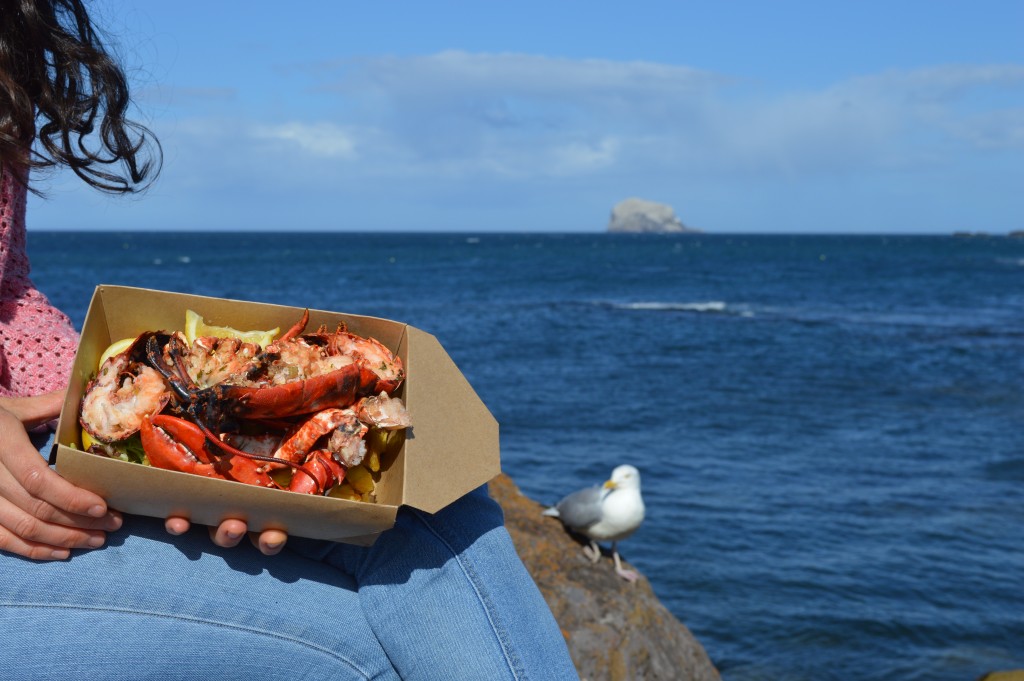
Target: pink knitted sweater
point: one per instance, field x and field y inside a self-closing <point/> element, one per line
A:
<point x="37" y="341"/>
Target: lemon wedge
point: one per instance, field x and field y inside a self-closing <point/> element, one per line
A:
<point x="116" y="348"/>
<point x="196" y="327"/>
<point x="87" y="440"/>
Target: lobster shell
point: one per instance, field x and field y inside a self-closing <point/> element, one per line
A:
<point x="339" y="388"/>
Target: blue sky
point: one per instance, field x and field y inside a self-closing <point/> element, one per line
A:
<point x="539" y="116"/>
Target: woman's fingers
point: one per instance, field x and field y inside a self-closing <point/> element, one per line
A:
<point x="36" y="410"/>
<point x="269" y="542"/>
<point x="175" y="525"/>
<point x="22" y="547"/>
<point x="36" y="488"/>
<point x="26" y="521"/>
<point x="14" y="493"/>
<point x="229" y="533"/>
<point x="19" y="529"/>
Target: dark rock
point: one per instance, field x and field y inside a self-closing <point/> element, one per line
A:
<point x="615" y="630"/>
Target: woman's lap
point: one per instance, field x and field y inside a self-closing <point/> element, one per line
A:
<point x="448" y="591"/>
<point x="440" y="596"/>
<point x="149" y="604"/>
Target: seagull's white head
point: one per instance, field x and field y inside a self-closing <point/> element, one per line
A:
<point x="624" y="477"/>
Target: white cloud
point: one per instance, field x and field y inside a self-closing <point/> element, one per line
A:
<point x="512" y="115"/>
<point x="483" y="74"/>
<point x="458" y="115"/>
<point x="584" y="157"/>
<point x="527" y="114"/>
<point x="319" y="139"/>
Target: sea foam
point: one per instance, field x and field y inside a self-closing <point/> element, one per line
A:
<point x="707" y="306"/>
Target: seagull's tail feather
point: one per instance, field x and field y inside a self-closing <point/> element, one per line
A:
<point x="553" y="512"/>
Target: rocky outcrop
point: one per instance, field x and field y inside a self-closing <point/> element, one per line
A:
<point x="615" y="630"/>
<point x="638" y="215"/>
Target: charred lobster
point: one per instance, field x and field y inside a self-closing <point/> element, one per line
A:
<point x="227" y="409"/>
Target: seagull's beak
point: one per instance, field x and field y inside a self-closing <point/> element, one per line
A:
<point x="610" y="484"/>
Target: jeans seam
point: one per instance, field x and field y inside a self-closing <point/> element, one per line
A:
<point x="226" y="625"/>
<point x="511" y="658"/>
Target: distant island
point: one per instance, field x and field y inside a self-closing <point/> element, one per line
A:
<point x="639" y="215"/>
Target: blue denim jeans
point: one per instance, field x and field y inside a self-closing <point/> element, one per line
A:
<point x="440" y="596"/>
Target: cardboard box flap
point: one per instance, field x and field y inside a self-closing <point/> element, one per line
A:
<point x="453" y="443"/>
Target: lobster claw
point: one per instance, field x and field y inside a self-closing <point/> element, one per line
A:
<point x="319" y="473"/>
<point x="178" y="445"/>
<point x="171" y="444"/>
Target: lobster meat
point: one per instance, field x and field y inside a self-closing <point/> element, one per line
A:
<point x="311" y="398"/>
<point x="124" y="391"/>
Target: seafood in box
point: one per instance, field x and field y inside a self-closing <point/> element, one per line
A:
<point x="450" y="448"/>
<point x="289" y="412"/>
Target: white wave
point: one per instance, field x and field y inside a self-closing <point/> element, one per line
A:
<point x="706" y="306"/>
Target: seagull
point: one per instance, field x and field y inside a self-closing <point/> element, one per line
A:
<point x="609" y="512"/>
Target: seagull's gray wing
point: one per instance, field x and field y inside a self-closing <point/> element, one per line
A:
<point x="581" y="509"/>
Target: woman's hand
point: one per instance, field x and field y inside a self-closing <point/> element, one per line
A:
<point x="42" y="515"/>
<point x="230" y="532"/>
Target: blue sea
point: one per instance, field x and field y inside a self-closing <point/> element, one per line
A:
<point x="830" y="429"/>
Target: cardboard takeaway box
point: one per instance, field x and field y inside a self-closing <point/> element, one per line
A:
<point x="451" y="448"/>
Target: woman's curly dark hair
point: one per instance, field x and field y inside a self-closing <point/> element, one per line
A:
<point x="63" y="99"/>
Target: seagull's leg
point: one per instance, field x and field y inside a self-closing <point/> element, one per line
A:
<point x="592" y="551"/>
<point x="628" y="575"/>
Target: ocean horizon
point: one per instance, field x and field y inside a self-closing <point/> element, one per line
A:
<point x="959" y="234"/>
